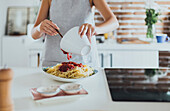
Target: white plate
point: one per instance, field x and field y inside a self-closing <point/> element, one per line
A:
<point x="65" y="79"/>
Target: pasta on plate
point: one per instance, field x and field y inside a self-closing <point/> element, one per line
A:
<point x="70" y="70"/>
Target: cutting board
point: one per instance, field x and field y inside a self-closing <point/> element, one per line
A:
<point x="131" y="41"/>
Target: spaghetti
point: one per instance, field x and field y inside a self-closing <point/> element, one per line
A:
<point x="70" y="70"/>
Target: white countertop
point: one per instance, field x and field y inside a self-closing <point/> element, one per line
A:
<point x="98" y="99"/>
<point x="107" y="45"/>
<point x="113" y="45"/>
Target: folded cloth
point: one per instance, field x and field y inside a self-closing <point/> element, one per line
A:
<point x="37" y="96"/>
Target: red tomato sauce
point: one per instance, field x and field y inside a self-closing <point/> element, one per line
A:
<point x="69" y="65"/>
<point x="69" y="56"/>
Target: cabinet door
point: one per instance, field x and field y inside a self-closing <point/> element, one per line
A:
<point x="14" y="52"/>
<point x="101" y="59"/>
<point x="128" y="59"/>
<point x="135" y="59"/>
<point x="106" y="59"/>
<point x="34" y="58"/>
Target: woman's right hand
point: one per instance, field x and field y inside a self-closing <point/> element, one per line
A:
<point x="48" y="27"/>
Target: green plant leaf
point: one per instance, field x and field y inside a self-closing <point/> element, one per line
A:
<point x="151" y="18"/>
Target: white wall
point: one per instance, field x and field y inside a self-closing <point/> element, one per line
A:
<point x="3" y="14"/>
<point x="6" y="3"/>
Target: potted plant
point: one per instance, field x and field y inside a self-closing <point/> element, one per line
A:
<point x="150" y="20"/>
<point x="153" y="74"/>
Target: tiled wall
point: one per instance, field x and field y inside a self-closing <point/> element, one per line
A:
<point x="131" y="15"/>
<point x="136" y="79"/>
<point x="164" y="59"/>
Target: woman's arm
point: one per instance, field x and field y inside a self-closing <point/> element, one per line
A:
<point x="42" y="25"/>
<point x="110" y="21"/>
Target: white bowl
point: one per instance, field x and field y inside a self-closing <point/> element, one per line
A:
<point x="73" y="43"/>
<point x="71" y="88"/>
<point x="65" y="79"/>
<point x="48" y="91"/>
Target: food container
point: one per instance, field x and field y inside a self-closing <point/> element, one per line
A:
<point x="71" y="88"/>
<point x="73" y="43"/>
<point x="48" y="91"/>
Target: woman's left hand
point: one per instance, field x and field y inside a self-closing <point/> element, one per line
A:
<point x="87" y="29"/>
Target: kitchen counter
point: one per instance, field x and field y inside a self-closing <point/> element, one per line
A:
<point x="111" y="53"/>
<point x="113" y="45"/>
<point x="98" y="99"/>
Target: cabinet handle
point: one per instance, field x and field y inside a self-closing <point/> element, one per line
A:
<point x="111" y="60"/>
<point x="102" y="60"/>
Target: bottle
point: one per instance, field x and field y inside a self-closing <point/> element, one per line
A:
<point x="108" y="35"/>
<point x="6" y="76"/>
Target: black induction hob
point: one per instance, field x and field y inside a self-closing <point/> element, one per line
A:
<point x="134" y="85"/>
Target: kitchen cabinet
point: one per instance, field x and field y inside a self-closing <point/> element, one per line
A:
<point x="113" y="54"/>
<point x="34" y="58"/>
<point x="128" y="58"/>
<point x="14" y="52"/>
<point x="18" y="52"/>
<point x="105" y="58"/>
<point x="135" y="59"/>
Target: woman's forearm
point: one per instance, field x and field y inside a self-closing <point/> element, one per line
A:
<point x="35" y="33"/>
<point x="45" y="27"/>
<point x="107" y="26"/>
<point x="110" y="21"/>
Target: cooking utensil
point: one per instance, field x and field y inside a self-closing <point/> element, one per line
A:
<point x="58" y="31"/>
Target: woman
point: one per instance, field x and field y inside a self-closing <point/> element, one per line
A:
<point x="64" y="15"/>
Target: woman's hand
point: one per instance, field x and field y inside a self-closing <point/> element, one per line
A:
<point x="87" y="29"/>
<point x="48" y="27"/>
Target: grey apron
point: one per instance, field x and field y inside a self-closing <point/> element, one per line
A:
<point x="68" y="14"/>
